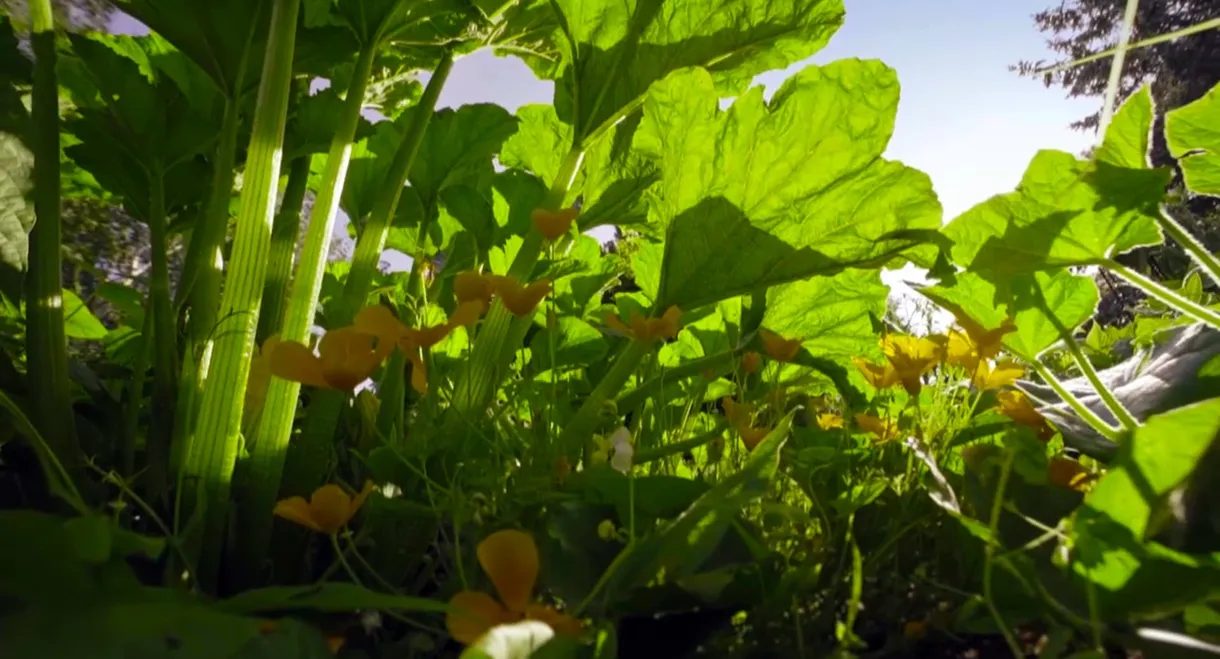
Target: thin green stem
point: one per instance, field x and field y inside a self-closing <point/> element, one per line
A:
<point x="1090" y="417"/>
<point x="164" y="341"/>
<point x="581" y="426"/>
<point x="676" y="448"/>
<point x="135" y="397"/>
<point x="1124" y="417"/>
<point x="633" y="399"/>
<point x="1165" y="296"/>
<point x="1144" y="43"/>
<point x="997" y="506"/>
<point x="1196" y="249"/>
<point x="334" y="542"/>
<point x="213" y="450"/>
<point x="1116" y="67"/>
<point x="46" y="343"/>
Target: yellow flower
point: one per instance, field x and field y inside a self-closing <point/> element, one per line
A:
<point x="751" y="362"/>
<point x="737" y="413"/>
<point x="553" y="224"/>
<point x="471" y="286"/>
<point x="883" y="430"/>
<point x="881" y="376"/>
<point x="751" y="437"/>
<point x="966" y="350"/>
<point x="346" y="357"/>
<point x="328" y="510"/>
<point x="829" y="420"/>
<point x="520" y="300"/>
<point x="601" y="450"/>
<point x="777" y="347"/>
<point x="390" y="331"/>
<point x="913" y="630"/>
<point x="467" y="313"/>
<point x="648" y="329"/>
<point x="1003" y="374"/>
<point x="1014" y="405"/>
<point x="510" y="560"/>
<point x="1068" y="473"/>
<point x="911" y="357"/>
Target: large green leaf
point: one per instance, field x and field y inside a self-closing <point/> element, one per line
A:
<point x="224" y="38"/>
<point x="79" y="321"/>
<point x="16" y="73"/>
<point x="1036" y="302"/>
<point x="615" y="51"/>
<point x="830" y="314"/>
<point x="1111" y="530"/>
<point x="572" y="342"/>
<point x="1068" y="211"/>
<point x="769" y="193"/>
<point x="1193" y="134"/>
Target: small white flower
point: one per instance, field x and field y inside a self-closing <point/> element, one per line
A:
<point x="623" y="450"/>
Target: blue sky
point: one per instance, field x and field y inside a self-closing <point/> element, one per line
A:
<point x="964" y="118"/>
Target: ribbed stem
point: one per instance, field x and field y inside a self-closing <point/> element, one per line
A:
<point x="1166" y="296"/>
<point x="275" y="424"/>
<point x="1089" y="417"/>
<point x="213" y="450"/>
<point x="284" y="235"/>
<point x="46" y="345"/>
<point x="1199" y="253"/>
<point x="164" y="341"/>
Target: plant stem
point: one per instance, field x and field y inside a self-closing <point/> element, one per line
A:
<point x="164" y="341"/>
<point x="494" y="347"/>
<point x="1116" y="68"/>
<point x="213" y="449"/>
<point x="997" y="505"/>
<point x="1165" y="296"/>
<point x="1197" y="251"/>
<point x="674" y="448"/>
<point x="582" y="425"/>
<point x="1124" y="417"/>
<point x="275" y="425"/>
<point x="373" y="237"/>
<point x="636" y="397"/>
<point x="1094" y="421"/>
<point x="46" y="344"/>
<point x="284" y="233"/>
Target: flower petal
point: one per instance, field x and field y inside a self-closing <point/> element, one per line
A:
<point x="751" y="361"/>
<point x="293" y="361"/>
<point x="777" y="347"/>
<point x="381" y="322"/>
<point x="471" y="614"/>
<point x="470" y="286"/>
<point x="296" y="509"/>
<point x="419" y="372"/>
<point x="553" y="224"/>
<point x="467" y="313"/>
<point x="349" y="356"/>
<point x="361" y="496"/>
<point x="330" y="508"/>
<point x="615" y="323"/>
<point x="426" y="337"/>
<point x="510" y="559"/>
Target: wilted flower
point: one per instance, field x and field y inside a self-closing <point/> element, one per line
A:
<point x="777" y="347"/>
<point x="510" y="560"/>
<point x="751" y="362"/>
<point x="328" y="510"/>
<point x="553" y="224"/>
<point x="648" y="329"/>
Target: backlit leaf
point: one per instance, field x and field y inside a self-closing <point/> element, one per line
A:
<point x="1194" y="137"/>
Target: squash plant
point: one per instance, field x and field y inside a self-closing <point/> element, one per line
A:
<point x="527" y="442"/>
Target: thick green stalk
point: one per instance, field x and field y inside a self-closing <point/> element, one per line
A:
<point x="1128" y="422"/>
<point x="494" y="347"/>
<point x="164" y="340"/>
<point x="135" y="399"/>
<point x="275" y="424"/>
<point x="284" y="235"/>
<point x="1165" y="296"/>
<point x="1197" y="251"/>
<point x="201" y="275"/>
<point x="580" y="428"/>
<point x="373" y="237"/>
<point x="1091" y="418"/>
<point x="213" y="450"/>
<point x="46" y="345"/>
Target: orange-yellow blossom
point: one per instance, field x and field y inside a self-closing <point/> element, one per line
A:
<point x="346" y="357"/>
<point x="978" y="343"/>
<point x="777" y="347"/>
<point x="328" y="510"/>
<point x="1068" y="473"/>
<point x="751" y="362"/>
<point x="881" y="376"/>
<point x="648" y="329"/>
<point x="829" y="421"/>
<point x="553" y="224"/>
<point x="471" y="286"/>
<point x="1014" y="405"/>
<point x="911" y="357"/>
<point x="1002" y="374"/>
<point x="510" y="560"/>
<point x="520" y="300"/>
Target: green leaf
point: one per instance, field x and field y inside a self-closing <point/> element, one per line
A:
<point x="90" y="537"/>
<point x="41" y="565"/>
<point x="16" y="73"/>
<point x="79" y="322"/>
<point x="576" y="343"/>
<point x="682" y="546"/>
<point x="128" y="301"/>
<point x="518" y="640"/>
<point x="1128" y="135"/>
<point x="766" y="194"/>
<point x="621" y="49"/>
<point x="315" y="122"/>
<point x="458" y="147"/>
<point x="656" y="497"/>
<point x="16" y="212"/>
<point x="1194" y="138"/>
<point x="328" y="597"/>
<point x="830" y="314"/>
<point x="1065" y="212"/>
<point x="1035" y="302"/>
